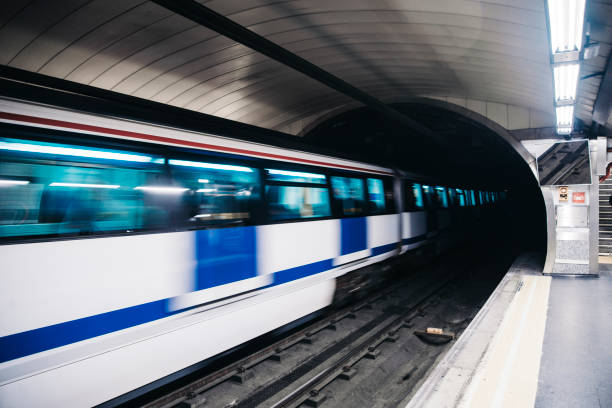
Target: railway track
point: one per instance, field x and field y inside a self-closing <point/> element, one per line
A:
<point x="317" y="364"/>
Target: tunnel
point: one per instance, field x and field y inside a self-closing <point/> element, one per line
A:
<point x="476" y="151"/>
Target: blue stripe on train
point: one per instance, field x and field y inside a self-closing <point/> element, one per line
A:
<point x="45" y="338"/>
<point x="302" y="271"/>
<point x="407" y="241"/>
<point x="383" y="248"/>
<point x="353" y="235"/>
<point x="225" y="255"/>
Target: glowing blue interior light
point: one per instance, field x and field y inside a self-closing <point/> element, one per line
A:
<point x="13" y="183"/>
<point x="73" y="151"/>
<point x="84" y="185"/>
<point x="214" y="166"/>
<point x="162" y="189"/>
<point x="296" y="174"/>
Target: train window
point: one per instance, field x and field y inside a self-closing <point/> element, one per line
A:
<point x="218" y="194"/>
<point x="427" y="191"/>
<point x="294" y="195"/>
<point x="389" y="195"/>
<point x="293" y="202"/>
<point x="452" y="197"/>
<point x="418" y="195"/>
<point x="53" y="189"/>
<point x="440" y="197"/>
<point x="376" y="195"/>
<point x="473" y="197"/>
<point x="349" y="193"/>
<point x="413" y="197"/>
<point x="461" y="197"/>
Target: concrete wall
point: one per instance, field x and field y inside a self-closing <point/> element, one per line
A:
<point x="510" y="117"/>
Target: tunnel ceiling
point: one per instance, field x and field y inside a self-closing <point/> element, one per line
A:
<point x="495" y="51"/>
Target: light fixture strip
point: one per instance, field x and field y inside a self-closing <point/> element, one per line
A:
<point x="566" y="80"/>
<point x="566" y="18"/>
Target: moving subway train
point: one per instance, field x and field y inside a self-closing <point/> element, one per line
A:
<point x="130" y="251"/>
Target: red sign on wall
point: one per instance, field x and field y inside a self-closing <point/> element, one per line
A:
<point x="578" y="197"/>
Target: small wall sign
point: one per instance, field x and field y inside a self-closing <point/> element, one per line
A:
<point x="563" y="192"/>
<point x="578" y="197"/>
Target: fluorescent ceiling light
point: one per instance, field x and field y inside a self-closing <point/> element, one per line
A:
<point x="71" y="151"/>
<point x="566" y="79"/>
<point x="565" y="116"/>
<point x="296" y="174"/>
<point x="206" y="190"/>
<point x="84" y="185"/>
<point x="564" y="130"/>
<point x="566" y="18"/>
<point x="13" y="183"/>
<point x="162" y="189"/>
<point x="210" y="166"/>
<point x="203" y="181"/>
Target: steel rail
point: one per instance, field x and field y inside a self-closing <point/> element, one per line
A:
<point x="211" y="380"/>
<point x="351" y="357"/>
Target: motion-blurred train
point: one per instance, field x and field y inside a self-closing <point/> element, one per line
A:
<point x="130" y="251"/>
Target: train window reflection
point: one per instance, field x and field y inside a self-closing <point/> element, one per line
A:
<point x="218" y="193"/>
<point x="54" y="149"/>
<point x="376" y="195"/>
<point x="413" y="197"/>
<point x="293" y="202"/>
<point x="418" y="195"/>
<point x="461" y="197"/>
<point x="349" y="193"/>
<point x="441" y="198"/>
<point x="71" y="190"/>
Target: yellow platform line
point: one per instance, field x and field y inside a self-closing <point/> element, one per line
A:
<point x="507" y="376"/>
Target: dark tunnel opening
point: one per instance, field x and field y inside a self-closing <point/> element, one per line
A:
<point x="474" y="156"/>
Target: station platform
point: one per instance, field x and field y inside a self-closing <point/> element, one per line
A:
<point x="538" y="341"/>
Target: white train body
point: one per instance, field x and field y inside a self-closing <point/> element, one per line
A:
<point x="89" y="316"/>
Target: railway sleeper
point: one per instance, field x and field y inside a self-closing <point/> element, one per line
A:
<point x="315" y="398"/>
<point x="192" y="401"/>
<point x="347" y="373"/>
<point x="242" y="376"/>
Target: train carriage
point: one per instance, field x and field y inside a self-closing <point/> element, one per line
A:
<point x="141" y="250"/>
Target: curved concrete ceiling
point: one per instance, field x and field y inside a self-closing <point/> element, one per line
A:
<point x="494" y="50"/>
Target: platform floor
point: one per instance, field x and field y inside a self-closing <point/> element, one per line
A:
<point x="576" y="364"/>
<point x="538" y="341"/>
